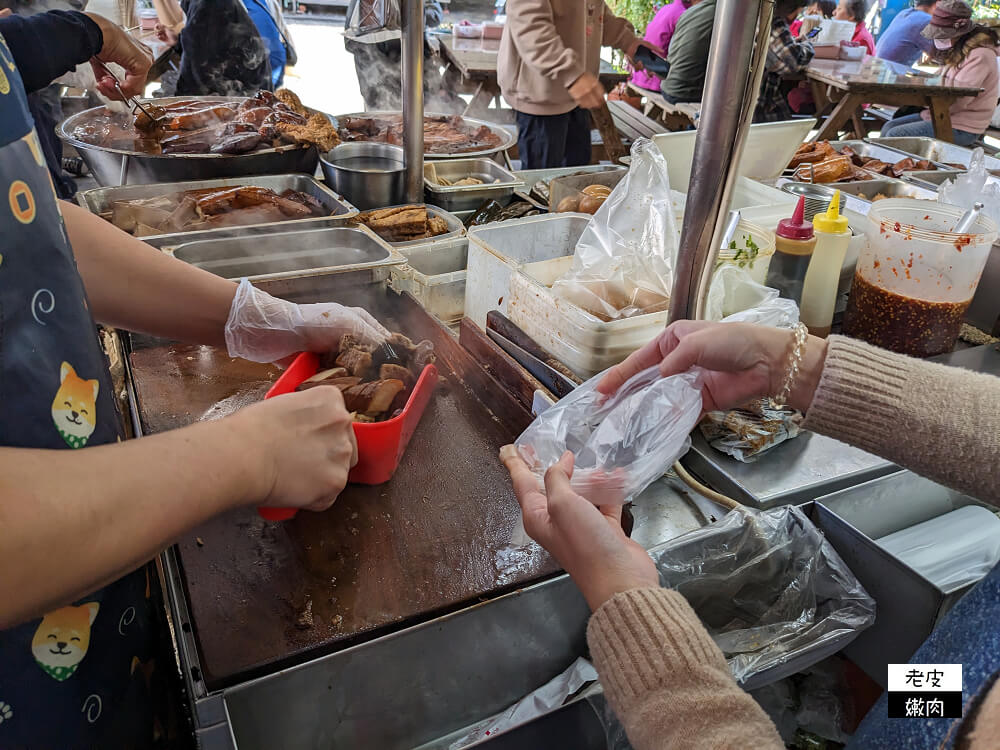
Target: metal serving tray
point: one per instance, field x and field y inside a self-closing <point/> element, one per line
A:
<point x="908" y="605"/>
<point x="871" y="149"/>
<point x="796" y="471"/>
<point x="933" y="149"/>
<point x="455" y="227"/>
<point x="890" y="187"/>
<point x="498" y="183"/>
<point x="507" y="137"/>
<point x="281" y="255"/>
<point x="101" y="200"/>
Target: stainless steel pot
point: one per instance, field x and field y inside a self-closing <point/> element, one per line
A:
<point x="369" y="175"/>
<point x="112" y="167"/>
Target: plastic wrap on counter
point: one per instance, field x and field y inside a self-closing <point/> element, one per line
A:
<point x="971" y="187"/>
<point x="623" y="264"/>
<point x="747" y="432"/>
<point x="623" y="442"/>
<point x="772" y="592"/>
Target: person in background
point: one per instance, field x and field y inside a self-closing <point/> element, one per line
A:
<point x="902" y="41"/>
<point x="969" y="55"/>
<point x="855" y="10"/>
<point x="267" y="16"/>
<point x="785" y="55"/>
<point x="222" y="53"/>
<point x="83" y="510"/>
<point x="550" y="56"/>
<point x="822" y="9"/>
<point x="659" y="33"/>
<point x="688" y="58"/>
<point x="662" y="673"/>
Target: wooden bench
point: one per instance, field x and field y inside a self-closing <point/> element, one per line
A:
<point x="680" y="116"/>
<point x="632" y="123"/>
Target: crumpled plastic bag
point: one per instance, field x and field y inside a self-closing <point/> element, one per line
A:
<point x="623" y="442"/>
<point x="733" y="296"/>
<point x="972" y="187"/>
<point x="771" y="590"/>
<point x="751" y="430"/>
<point x="549" y="696"/>
<point x="263" y="328"/>
<point x="623" y="264"/>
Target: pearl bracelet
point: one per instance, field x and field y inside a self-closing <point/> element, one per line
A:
<point x="800" y="337"/>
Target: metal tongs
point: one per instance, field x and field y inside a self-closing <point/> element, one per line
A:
<point x="134" y="101"/>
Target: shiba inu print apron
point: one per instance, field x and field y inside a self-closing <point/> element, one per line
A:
<point x="78" y="677"/>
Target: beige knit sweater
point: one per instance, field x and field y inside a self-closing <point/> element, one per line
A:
<point x="664" y="676"/>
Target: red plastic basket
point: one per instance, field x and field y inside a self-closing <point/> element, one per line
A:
<point x="380" y="444"/>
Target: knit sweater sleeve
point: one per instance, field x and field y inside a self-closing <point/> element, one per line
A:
<point x="666" y="679"/>
<point x="940" y="422"/>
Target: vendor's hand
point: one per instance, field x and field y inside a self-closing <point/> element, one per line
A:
<point x="742" y="362"/>
<point x="587" y="91"/>
<point x="301" y="446"/>
<point x="120" y="48"/>
<point x="586" y="539"/>
<point x="263" y="328"/>
<point x="4" y="12"/>
<point x="634" y="47"/>
<point x="166" y="34"/>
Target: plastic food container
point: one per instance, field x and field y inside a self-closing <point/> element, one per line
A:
<point x="755" y="263"/>
<point x="492" y="30"/>
<point x="467" y="30"/>
<point x="380" y="444"/>
<point x="916" y="278"/>
<point x="497" y="251"/>
<point x="435" y="275"/>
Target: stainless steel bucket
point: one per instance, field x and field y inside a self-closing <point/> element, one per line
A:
<point x="366" y="185"/>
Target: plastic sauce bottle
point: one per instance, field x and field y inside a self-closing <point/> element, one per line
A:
<point x="819" y="291"/>
<point x="794" y="242"/>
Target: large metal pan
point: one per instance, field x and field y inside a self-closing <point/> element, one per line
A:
<point x="138" y="168"/>
<point x="507" y="138"/>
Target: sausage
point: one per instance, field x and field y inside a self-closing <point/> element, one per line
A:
<point x="240" y="143"/>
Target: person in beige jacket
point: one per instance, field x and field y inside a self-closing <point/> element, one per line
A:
<point x="662" y="673"/>
<point x="550" y="55"/>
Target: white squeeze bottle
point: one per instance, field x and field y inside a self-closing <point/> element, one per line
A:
<point x="819" y="290"/>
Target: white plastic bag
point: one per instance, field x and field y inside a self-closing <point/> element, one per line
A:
<point x="623" y="264"/>
<point x="623" y="442"/>
<point x="972" y="187"/>
<point x="735" y="297"/>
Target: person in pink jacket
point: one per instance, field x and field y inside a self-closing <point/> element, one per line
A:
<point x="969" y="54"/>
<point x="855" y="10"/>
<point x="658" y="33"/>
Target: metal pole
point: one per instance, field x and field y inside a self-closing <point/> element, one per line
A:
<point x="412" y="18"/>
<point x="732" y="84"/>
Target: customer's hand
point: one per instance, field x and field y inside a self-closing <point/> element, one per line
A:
<point x="120" y="48"/>
<point x="4" y="12"/>
<point x="301" y="447"/>
<point x="587" y="91"/>
<point x="742" y="362"/>
<point x="634" y="47"/>
<point x="166" y="34"/>
<point x="586" y="539"/>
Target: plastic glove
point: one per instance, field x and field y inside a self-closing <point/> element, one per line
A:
<point x="263" y="328"/>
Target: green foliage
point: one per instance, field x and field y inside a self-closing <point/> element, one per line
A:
<point x="986" y="8"/>
<point x="638" y="12"/>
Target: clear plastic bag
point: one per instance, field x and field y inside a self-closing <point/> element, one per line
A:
<point x="735" y="297"/>
<point x="772" y="592"/>
<point x="972" y="187"/>
<point x="623" y="264"/>
<point x="622" y="442"/>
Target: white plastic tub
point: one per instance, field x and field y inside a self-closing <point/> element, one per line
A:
<point x="435" y="275"/>
<point x="497" y="251"/>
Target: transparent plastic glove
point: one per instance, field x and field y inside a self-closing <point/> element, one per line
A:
<point x="263" y="328"/>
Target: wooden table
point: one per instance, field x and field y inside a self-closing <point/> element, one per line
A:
<point x="843" y="87"/>
<point x="472" y="63"/>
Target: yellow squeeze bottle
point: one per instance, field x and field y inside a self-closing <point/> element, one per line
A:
<point x="819" y="290"/>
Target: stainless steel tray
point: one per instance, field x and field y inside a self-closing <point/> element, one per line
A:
<point x="889" y="187"/>
<point x="796" y="471"/>
<point x="498" y="183"/>
<point x="455" y="227"/>
<point x="112" y="166"/>
<point x="101" y="200"/>
<point x="908" y="605"/>
<point x="507" y="138"/>
<point x="871" y="149"/>
<point x="933" y="149"/>
<point x="283" y="255"/>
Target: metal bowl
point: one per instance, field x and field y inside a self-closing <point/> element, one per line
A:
<point x="817" y="195"/>
<point x="366" y="185"/>
<point x="507" y="138"/>
<point x="119" y="167"/>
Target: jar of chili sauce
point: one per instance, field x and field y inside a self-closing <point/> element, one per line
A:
<point x="915" y="279"/>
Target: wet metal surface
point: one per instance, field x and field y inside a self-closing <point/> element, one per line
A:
<point x="436" y="536"/>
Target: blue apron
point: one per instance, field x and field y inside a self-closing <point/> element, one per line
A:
<point x="968" y="635"/>
<point x="79" y="676"/>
